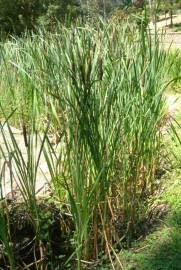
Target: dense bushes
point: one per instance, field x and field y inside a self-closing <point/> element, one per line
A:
<point x="16" y="16"/>
<point x="19" y="15"/>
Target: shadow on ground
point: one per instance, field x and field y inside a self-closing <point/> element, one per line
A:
<point x="162" y="249"/>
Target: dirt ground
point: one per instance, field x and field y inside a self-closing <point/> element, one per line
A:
<point x="169" y="38"/>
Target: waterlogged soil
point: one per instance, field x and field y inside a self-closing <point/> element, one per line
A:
<point x="56" y="231"/>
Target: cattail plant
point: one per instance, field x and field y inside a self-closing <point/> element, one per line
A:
<point x="101" y="87"/>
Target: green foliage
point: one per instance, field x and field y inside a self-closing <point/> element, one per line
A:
<point x="173" y="68"/>
<point x="106" y="104"/>
<point x="168" y="5"/>
<point x="101" y="87"/>
<point x="5" y="237"/>
<point x="160" y="249"/>
<point x="18" y="15"/>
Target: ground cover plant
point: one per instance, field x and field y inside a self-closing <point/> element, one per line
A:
<point x="98" y="88"/>
<point x="174" y="69"/>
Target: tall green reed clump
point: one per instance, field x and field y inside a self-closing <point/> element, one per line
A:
<point x="23" y="169"/>
<point x="102" y="88"/>
<point x="107" y="98"/>
<point x="23" y="158"/>
<point x="19" y="80"/>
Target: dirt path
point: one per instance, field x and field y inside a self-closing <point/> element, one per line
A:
<point x="170" y="38"/>
<point x="166" y="21"/>
<point x="173" y="103"/>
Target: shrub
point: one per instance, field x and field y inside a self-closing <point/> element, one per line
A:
<point x="16" y="16"/>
